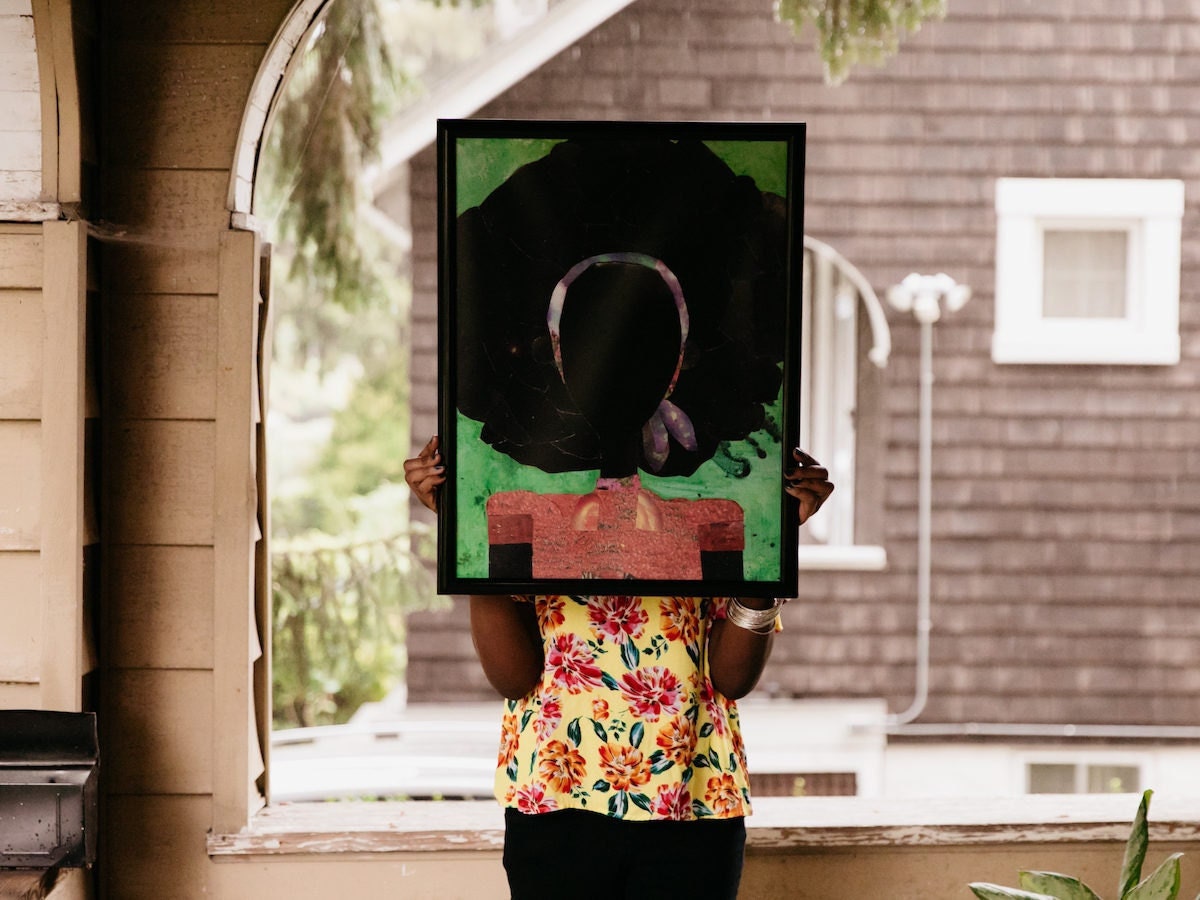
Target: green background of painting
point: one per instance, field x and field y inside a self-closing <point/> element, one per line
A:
<point x="482" y="165"/>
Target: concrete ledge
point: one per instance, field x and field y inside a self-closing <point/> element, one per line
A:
<point x="778" y="824"/>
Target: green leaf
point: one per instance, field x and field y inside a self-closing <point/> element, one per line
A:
<point x="601" y="785"/>
<point x="986" y="891"/>
<point x="618" y="804"/>
<point x="635" y="734"/>
<point x="1064" y="887"/>
<point x="600" y="732"/>
<point x="660" y="765"/>
<point x="641" y="800"/>
<point x="574" y="734"/>
<point x="610" y="682"/>
<point x="1163" y="883"/>
<point x="1135" y="848"/>
<point x="629" y="654"/>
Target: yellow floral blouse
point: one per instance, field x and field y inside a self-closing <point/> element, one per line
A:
<point x="624" y="721"/>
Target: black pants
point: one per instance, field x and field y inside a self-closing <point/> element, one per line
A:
<point x="578" y="854"/>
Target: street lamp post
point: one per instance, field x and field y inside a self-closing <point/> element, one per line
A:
<point x="924" y="296"/>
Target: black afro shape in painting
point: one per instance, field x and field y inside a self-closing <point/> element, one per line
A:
<point x="675" y="201"/>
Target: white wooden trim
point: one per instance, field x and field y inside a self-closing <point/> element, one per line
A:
<point x="61" y="138"/>
<point x="476" y="84"/>
<point x="235" y="768"/>
<point x="28" y="211"/>
<point x="263" y="94"/>
<point x="49" y="103"/>
<point x="1148" y="210"/>
<point x="881" y="334"/>
<point x="63" y="379"/>
<point x="66" y="92"/>
<point x="831" y="557"/>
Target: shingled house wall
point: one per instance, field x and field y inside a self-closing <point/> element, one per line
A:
<point x="1066" y="499"/>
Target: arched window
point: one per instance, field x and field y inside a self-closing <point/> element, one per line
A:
<point x="840" y="375"/>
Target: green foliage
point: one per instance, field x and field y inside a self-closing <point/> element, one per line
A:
<point x="1162" y="884"/>
<point x="344" y="573"/>
<point x="328" y="126"/>
<point x="339" y="623"/>
<point x="346" y="566"/>
<point x="369" y="439"/>
<point x="1054" y="885"/>
<point x="850" y="32"/>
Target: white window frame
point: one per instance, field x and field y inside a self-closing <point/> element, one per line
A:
<point x="1082" y="760"/>
<point x="1149" y="211"/>
<point x="833" y="292"/>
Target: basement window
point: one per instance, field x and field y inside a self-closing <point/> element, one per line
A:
<point x="1082" y="778"/>
<point x="1087" y="271"/>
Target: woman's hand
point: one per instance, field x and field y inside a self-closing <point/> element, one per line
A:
<point x="809" y="483"/>
<point x="425" y="473"/>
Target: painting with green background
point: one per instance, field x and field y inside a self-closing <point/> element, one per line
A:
<point x="481" y="165"/>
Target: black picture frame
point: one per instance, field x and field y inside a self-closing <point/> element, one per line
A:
<point x="619" y="340"/>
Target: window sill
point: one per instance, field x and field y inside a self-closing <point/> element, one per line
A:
<point x="1061" y="343"/>
<point x="848" y="557"/>
<point x="778" y="824"/>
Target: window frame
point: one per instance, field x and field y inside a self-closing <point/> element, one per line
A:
<point x="834" y="387"/>
<point x="1082" y="760"/>
<point x="1148" y="210"/>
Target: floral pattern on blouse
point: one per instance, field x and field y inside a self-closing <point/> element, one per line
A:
<point x="624" y="721"/>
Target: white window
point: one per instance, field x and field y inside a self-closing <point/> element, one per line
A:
<point x="834" y="383"/>
<point x="1087" y="271"/>
<point x="1082" y="778"/>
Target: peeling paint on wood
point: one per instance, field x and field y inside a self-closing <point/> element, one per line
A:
<point x="779" y="824"/>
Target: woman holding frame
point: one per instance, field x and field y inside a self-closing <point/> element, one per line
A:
<point x="621" y="766"/>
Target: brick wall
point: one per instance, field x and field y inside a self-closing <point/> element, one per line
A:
<point x="1066" y="499"/>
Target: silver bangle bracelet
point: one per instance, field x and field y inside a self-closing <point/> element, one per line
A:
<point x="760" y="621"/>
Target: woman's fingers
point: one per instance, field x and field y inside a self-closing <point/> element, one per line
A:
<point x="809" y="484"/>
<point x="425" y="472"/>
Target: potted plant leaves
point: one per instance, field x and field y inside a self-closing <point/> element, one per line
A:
<point x="1162" y="884"/>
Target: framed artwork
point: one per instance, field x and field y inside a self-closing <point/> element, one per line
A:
<point x="619" y="333"/>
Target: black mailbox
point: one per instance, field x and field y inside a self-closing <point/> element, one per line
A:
<point x="48" y="791"/>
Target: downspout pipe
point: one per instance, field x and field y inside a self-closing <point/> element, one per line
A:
<point x="923" y="295"/>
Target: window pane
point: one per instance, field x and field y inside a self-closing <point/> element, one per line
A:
<point x="1113" y="779"/>
<point x="1083" y="274"/>
<point x="1051" y="778"/>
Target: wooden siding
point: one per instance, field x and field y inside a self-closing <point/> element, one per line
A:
<point x="21" y="638"/>
<point x="20" y="105"/>
<point x="21" y="337"/>
<point x="21" y="353"/>
<point x="159" y="613"/>
<point x="1065" y="525"/>
<point x="177" y="348"/>
<point x="21" y="498"/>
<point x="46" y="520"/>
<point x="68" y="650"/>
